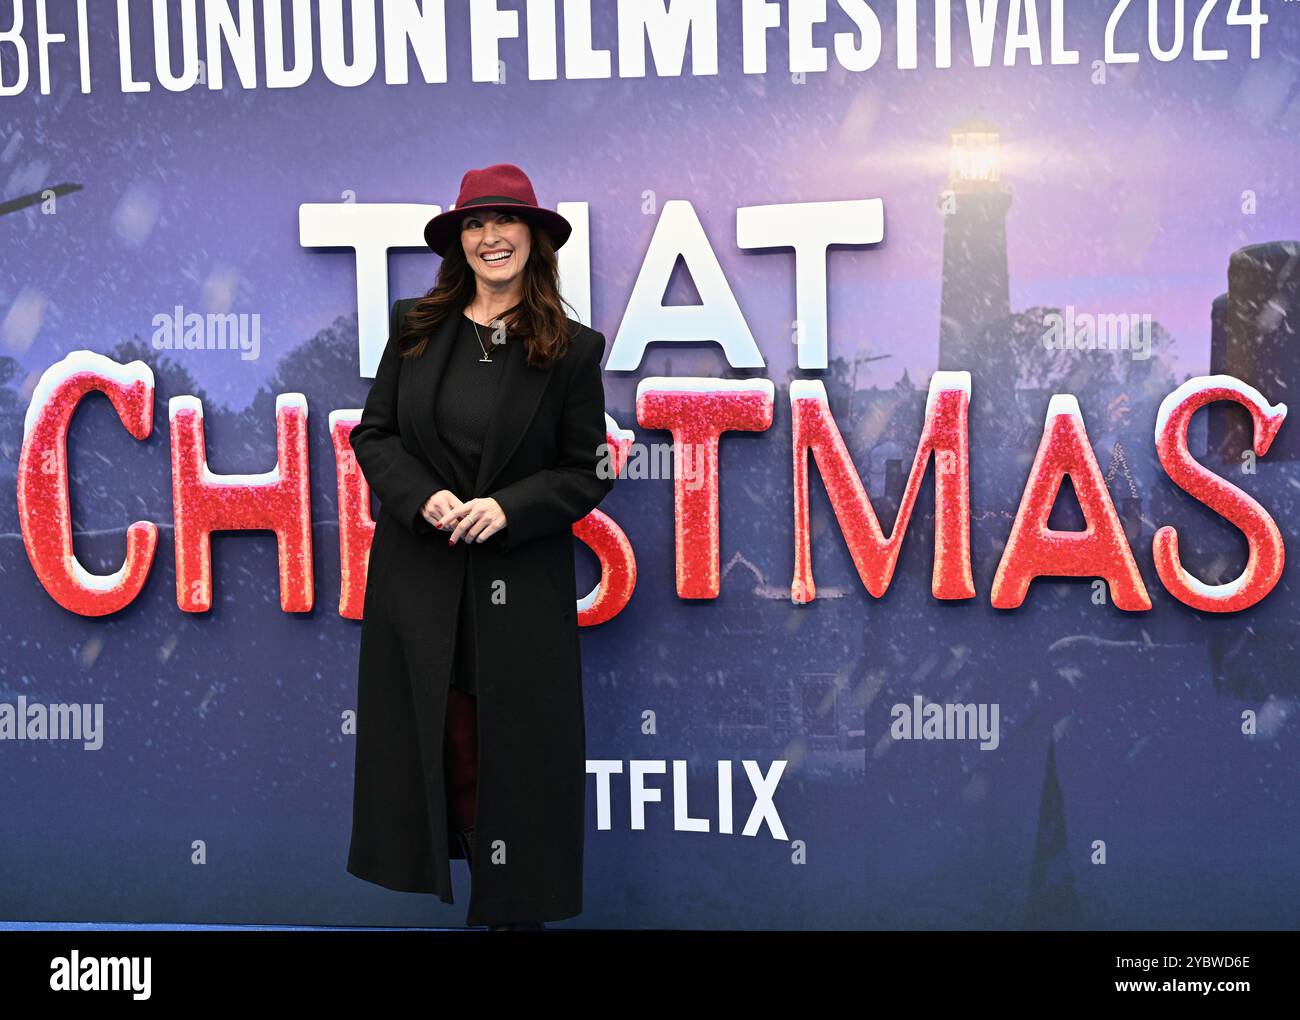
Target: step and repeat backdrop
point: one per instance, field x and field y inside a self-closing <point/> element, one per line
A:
<point x="950" y="350"/>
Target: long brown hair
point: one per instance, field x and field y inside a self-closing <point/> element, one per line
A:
<point x="538" y="321"/>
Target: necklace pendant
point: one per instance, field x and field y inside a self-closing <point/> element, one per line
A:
<point x="485" y="360"/>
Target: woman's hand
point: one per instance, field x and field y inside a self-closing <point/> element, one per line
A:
<point x="475" y="521"/>
<point x="439" y="505"/>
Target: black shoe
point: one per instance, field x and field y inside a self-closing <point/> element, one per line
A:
<point x="518" y="926"/>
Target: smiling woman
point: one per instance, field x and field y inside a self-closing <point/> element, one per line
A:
<point x="496" y="243"/>
<point x="487" y="428"/>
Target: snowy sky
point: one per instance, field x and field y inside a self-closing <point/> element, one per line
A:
<point x="1127" y="196"/>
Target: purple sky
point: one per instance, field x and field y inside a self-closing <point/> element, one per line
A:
<point x="1127" y="196"/>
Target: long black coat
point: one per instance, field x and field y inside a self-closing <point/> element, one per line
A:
<point x="541" y="463"/>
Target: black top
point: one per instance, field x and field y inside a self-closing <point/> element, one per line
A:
<point x="466" y="397"/>
<point x="463" y="408"/>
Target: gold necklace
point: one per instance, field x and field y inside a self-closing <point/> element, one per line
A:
<point x="487" y="358"/>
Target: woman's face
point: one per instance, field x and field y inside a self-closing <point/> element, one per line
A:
<point x="496" y="244"/>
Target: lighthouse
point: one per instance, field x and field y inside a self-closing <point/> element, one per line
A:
<point x="976" y="281"/>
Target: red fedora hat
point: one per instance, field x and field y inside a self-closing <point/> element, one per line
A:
<point x="500" y="186"/>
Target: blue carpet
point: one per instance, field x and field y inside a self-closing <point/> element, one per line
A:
<point x="131" y="926"/>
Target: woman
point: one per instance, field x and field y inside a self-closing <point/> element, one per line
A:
<point x="486" y="431"/>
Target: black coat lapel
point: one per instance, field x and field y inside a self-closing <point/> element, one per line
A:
<point x="518" y="396"/>
<point x="416" y="392"/>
